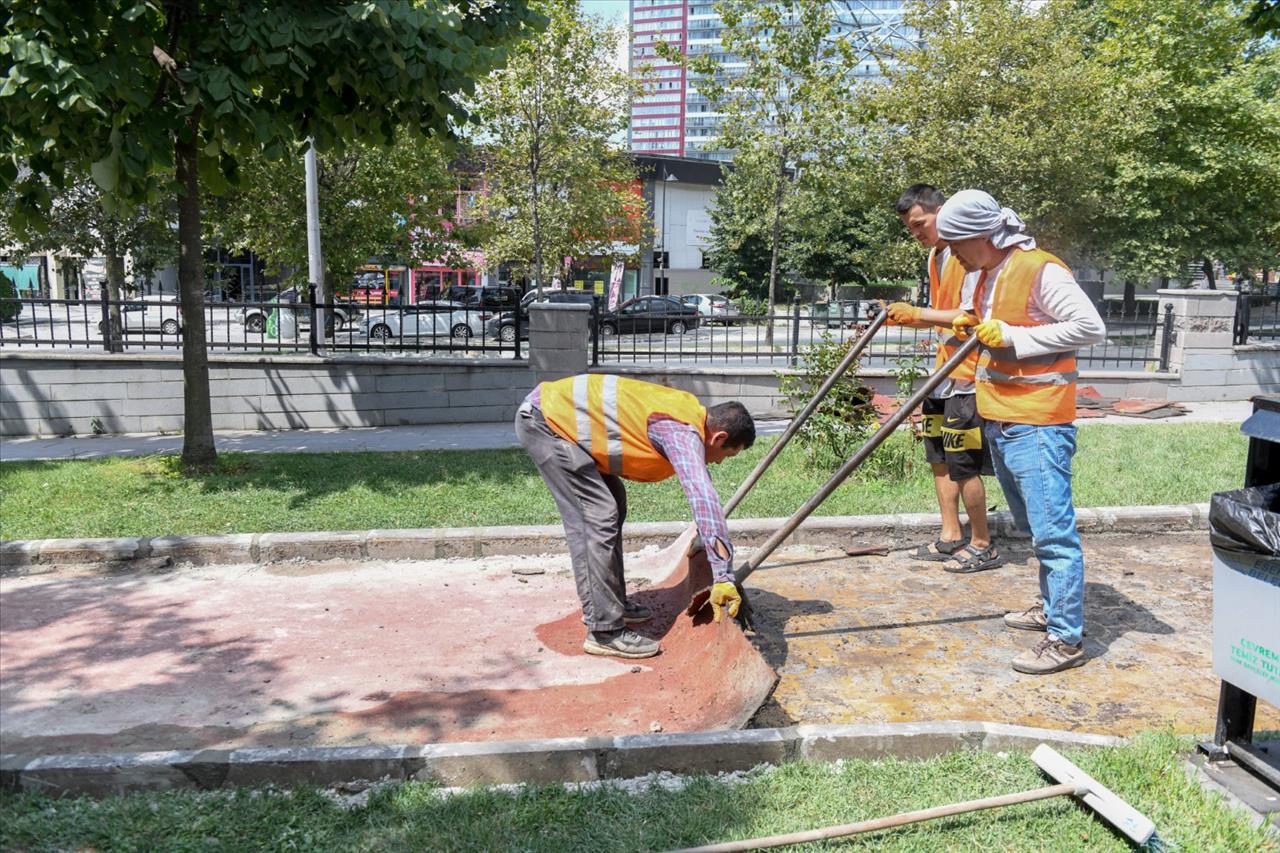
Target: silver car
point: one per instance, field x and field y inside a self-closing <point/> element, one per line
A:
<point x="432" y="320"/>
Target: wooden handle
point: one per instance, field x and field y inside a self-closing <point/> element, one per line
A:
<point x="903" y="819"/>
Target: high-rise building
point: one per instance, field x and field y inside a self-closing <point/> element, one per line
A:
<point x="671" y="117"/>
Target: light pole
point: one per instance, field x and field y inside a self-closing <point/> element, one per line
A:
<point x="662" y="256"/>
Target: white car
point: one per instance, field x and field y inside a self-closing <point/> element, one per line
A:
<point x="712" y="307"/>
<point x="422" y="321"/>
<point x="150" y="314"/>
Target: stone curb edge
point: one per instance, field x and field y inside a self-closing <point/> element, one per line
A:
<point x="532" y="761"/>
<point x="471" y="542"/>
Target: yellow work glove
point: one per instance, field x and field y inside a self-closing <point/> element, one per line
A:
<point x="990" y="332"/>
<point x="725" y="596"/>
<point x="902" y="312"/>
<point x="961" y="325"/>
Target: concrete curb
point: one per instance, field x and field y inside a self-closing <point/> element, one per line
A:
<point x="437" y="543"/>
<point x="532" y="761"/>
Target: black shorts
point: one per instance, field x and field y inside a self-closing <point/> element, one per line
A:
<point x="953" y="436"/>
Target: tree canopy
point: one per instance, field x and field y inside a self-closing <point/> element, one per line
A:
<point x="162" y="97"/>
<point x="557" y="185"/>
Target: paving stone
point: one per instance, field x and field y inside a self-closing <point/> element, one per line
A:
<point x="274" y="547"/>
<point x="315" y="765"/>
<point x="536" y="762"/>
<point x="698" y="752"/>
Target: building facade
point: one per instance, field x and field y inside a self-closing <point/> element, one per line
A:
<point x="670" y="117"/>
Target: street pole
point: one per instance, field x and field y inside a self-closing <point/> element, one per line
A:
<point x="315" y="262"/>
<point x="663" y="256"/>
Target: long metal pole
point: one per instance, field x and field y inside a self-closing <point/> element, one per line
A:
<point x="315" y="261"/>
<point x="886" y="429"/>
<point x="850" y="358"/>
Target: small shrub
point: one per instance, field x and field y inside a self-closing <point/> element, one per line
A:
<point x="10" y="307"/>
<point x="844" y="419"/>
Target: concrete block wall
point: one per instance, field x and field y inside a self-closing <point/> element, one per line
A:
<point x="1209" y="365"/>
<point x="66" y="393"/>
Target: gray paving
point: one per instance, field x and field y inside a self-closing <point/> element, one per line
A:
<point x="481" y="436"/>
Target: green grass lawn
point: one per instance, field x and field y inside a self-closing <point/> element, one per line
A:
<point x="254" y="493"/>
<point x="1147" y="773"/>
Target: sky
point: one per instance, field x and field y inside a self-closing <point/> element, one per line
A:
<point x="613" y="12"/>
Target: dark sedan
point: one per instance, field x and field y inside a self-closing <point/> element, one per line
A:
<point x="649" y="315"/>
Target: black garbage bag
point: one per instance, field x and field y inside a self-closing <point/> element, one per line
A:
<point x="1246" y="521"/>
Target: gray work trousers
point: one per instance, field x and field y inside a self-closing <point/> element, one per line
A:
<point x="593" y="507"/>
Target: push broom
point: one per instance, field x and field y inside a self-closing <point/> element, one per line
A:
<point x="1071" y="782"/>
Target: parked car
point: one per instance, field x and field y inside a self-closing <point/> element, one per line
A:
<point x="649" y="315"/>
<point x="420" y="321"/>
<point x="150" y="314"/>
<point x="503" y="326"/>
<point x="485" y="296"/>
<point x="254" y="317"/>
<point x="712" y="307"/>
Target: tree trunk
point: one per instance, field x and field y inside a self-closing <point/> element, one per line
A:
<point x="115" y="287"/>
<point x="1129" y="306"/>
<point x="198" y="449"/>
<point x="1208" y="274"/>
<point x="775" y="241"/>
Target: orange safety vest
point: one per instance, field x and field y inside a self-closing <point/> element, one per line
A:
<point x="608" y="416"/>
<point x="1039" y="390"/>
<point x="944" y="295"/>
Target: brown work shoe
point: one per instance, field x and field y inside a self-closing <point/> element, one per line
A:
<point x="1031" y="619"/>
<point x="1049" y="655"/>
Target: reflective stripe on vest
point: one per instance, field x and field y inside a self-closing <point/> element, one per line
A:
<point x="944" y="294"/>
<point x="1038" y="390"/>
<point x="608" y="416"/>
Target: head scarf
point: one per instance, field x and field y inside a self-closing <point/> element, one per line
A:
<point x="974" y="213"/>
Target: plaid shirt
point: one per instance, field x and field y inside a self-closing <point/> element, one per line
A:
<point x="683" y="448"/>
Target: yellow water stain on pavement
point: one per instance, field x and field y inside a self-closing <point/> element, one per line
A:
<point x="891" y="639"/>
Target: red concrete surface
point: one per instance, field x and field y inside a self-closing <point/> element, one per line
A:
<point x="350" y="653"/>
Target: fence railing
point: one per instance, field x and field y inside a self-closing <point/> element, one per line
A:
<point x="1136" y="338"/>
<point x="1257" y="315"/>
<point x="156" y="324"/>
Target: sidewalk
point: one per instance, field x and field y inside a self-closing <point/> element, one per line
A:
<point x="482" y="436"/>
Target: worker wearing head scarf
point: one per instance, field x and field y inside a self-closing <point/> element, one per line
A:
<point x="1032" y="316"/>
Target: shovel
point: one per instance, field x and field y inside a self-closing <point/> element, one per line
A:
<point x="700" y="569"/>
<point x="702" y="596"/>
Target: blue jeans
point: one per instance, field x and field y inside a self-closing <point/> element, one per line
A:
<point x="1033" y="465"/>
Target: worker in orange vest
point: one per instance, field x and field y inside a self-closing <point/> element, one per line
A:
<point x="1032" y="317"/>
<point x="588" y="433"/>
<point x="953" y="430"/>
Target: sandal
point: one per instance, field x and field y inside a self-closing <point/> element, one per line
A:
<point x="938" y="550"/>
<point x="969" y="559"/>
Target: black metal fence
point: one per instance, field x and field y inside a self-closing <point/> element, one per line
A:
<point x="1137" y="339"/>
<point x="156" y="324"/>
<point x="1257" y="315"/>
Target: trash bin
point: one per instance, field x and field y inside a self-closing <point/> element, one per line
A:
<point x="1244" y="533"/>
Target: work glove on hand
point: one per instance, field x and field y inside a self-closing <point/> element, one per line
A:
<point x="961" y="325"/>
<point x="990" y="332"/>
<point x="902" y="312"/>
<point x="725" y="596"/>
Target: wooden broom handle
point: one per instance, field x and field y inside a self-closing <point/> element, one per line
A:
<point x="1063" y="790"/>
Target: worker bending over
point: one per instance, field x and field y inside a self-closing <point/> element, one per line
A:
<point x="588" y="433"/>
<point x="1032" y="316"/>
<point x="953" y="440"/>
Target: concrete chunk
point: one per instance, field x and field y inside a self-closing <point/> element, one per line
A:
<point x="274" y="547"/>
<point x="534" y="762"/>
<point x="315" y="765"/>
<point x="698" y="752"/>
<point x="207" y="550"/>
<point x="90" y="550"/>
